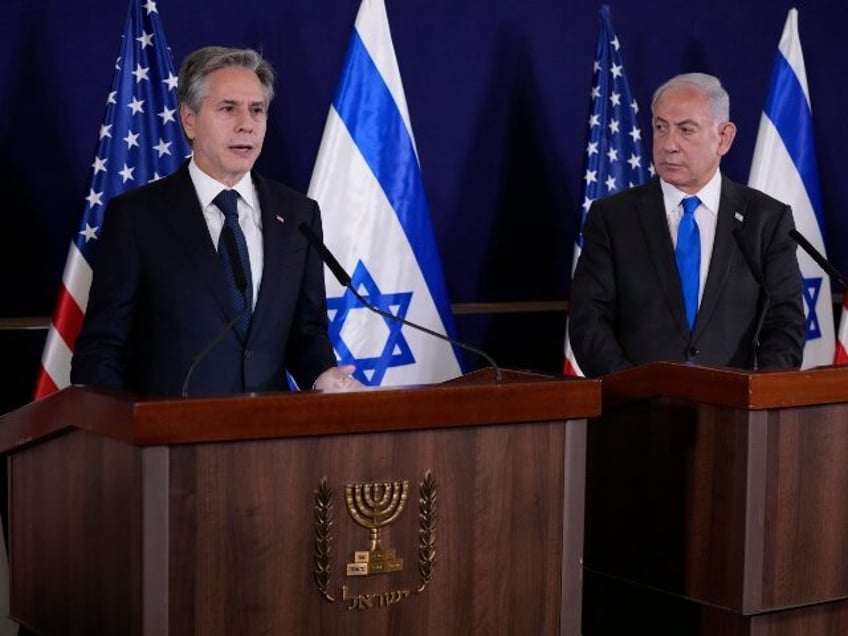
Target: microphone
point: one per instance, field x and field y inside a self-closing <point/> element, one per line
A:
<point x="755" y="271"/>
<point x="229" y="240"/>
<point x="818" y="257"/>
<point x="344" y="280"/>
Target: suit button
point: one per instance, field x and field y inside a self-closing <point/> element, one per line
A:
<point x="692" y="352"/>
<point x="247" y="355"/>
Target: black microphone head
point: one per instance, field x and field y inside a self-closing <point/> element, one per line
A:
<point x="326" y="256"/>
<point x="801" y="240"/>
<point x="818" y="257"/>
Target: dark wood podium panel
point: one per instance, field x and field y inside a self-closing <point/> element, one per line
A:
<point x="122" y="522"/>
<point x="717" y="503"/>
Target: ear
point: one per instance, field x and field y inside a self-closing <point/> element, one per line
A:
<point x="187" y="116"/>
<point x="726" y="135"/>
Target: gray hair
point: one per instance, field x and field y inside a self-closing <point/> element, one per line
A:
<point x="709" y="85"/>
<point x="200" y="63"/>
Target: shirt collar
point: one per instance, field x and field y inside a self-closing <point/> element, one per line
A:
<point x="208" y="188"/>
<point x="710" y="194"/>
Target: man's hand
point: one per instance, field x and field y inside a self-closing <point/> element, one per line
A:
<point x="338" y="379"/>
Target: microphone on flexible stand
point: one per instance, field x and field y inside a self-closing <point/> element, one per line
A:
<point x="229" y="240"/>
<point x="817" y="256"/>
<point x="344" y="280"/>
<point x="755" y="271"/>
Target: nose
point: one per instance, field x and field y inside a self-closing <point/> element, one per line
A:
<point x="244" y="123"/>
<point x="669" y="141"/>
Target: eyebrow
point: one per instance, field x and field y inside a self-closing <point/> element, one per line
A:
<point x="235" y="102"/>
<point x="691" y="122"/>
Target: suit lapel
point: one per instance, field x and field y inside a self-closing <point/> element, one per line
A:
<point x="185" y="219"/>
<point x="731" y="212"/>
<point x="277" y="232"/>
<point x="652" y="217"/>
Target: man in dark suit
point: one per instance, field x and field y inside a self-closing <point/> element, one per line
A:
<point x="630" y="302"/>
<point x="168" y="284"/>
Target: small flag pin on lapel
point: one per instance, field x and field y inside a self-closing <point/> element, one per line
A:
<point x="738" y="216"/>
<point x="280" y="219"/>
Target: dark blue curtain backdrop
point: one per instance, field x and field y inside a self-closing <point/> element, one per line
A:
<point x="498" y="93"/>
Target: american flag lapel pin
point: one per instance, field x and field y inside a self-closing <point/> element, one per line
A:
<point x="280" y="219"/>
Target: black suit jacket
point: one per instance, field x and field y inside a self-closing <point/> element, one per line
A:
<point x="627" y="302"/>
<point x="158" y="298"/>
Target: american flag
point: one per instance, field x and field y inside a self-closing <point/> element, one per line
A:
<point x="616" y="158"/>
<point x="140" y="141"/>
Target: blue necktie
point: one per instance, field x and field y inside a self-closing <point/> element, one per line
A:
<point x="227" y="202"/>
<point x="688" y="255"/>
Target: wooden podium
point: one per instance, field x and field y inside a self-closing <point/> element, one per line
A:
<point x="444" y="509"/>
<point x="717" y="503"/>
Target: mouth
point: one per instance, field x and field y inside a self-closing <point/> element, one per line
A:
<point x="241" y="149"/>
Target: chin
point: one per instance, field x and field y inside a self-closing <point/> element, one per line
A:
<point x="241" y="167"/>
<point x="673" y="177"/>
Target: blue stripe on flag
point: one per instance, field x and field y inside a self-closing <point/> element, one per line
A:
<point x="788" y="109"/>
<point x="368" y="110"/>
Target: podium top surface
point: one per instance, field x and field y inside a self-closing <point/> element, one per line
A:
<point x="473" y="400"/>
<point x="735" y="388"/>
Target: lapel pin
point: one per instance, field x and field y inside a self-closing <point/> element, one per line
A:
<point x="738" y="216"/>
<point x="280" y="219"/>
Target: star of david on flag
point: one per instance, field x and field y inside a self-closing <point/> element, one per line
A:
<point x="615" y="153"/>
<point x="376" y="221"/>
<point x="812" y="292"/>
<point x="395" y="350"/>
<point x="140" y="141"/>
<point x="784" y="166"/>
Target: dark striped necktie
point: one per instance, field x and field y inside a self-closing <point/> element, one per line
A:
<point x="236" y="266"/>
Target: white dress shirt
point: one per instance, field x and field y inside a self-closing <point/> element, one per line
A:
<point x="706" y="216"/>
<point x="250" y="217"/>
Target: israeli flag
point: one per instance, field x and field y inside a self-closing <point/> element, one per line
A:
<point x="784" y="166"/>
<point x="368" y="183"/>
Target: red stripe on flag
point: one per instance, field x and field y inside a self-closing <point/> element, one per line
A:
<point x="841" y="356"/>
<point x="44" y="385"/>
<point x="67" y="319"/>
<point x="67" y="322"/>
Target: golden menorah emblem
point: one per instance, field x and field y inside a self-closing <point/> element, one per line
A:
<point x="374" y="506"/>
